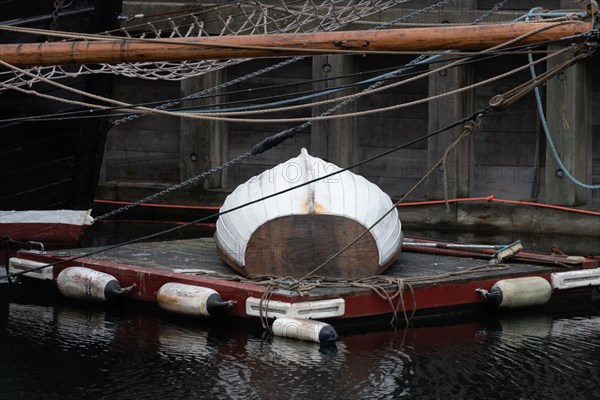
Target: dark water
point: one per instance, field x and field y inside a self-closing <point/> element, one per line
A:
<point x="74" y="352"/>
<point x="51" y="350"/>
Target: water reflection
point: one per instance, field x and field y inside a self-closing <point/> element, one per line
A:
<point x="63" y="352"/>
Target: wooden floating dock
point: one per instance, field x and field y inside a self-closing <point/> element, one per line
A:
<point x="440" y="285"/>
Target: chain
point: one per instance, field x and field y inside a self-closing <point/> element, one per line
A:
<point x="213" y="89"/>
<point x="415" y="14"/>
<point x="57" y="5"/>
<point x="494" y="9"/>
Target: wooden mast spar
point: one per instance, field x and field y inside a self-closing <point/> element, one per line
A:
<point x="251" y="46"/>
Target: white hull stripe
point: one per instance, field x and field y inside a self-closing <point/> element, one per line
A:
<point x="68" y="217"/>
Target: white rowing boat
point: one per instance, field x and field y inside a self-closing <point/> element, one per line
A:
<point x="292" y="233"/>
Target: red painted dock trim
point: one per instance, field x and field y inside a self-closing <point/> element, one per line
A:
<point x="358" y="304"/>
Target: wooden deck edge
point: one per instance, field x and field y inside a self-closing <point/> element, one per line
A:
<point x="432" y="298"/>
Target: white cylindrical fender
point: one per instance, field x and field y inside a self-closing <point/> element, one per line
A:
<point x="87" y="284"/>
<point x="519" y="292"/>
<point x="195" y="301"/>
<point x="304" y="329"/>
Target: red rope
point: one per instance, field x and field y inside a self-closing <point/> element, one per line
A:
<point x="493" y="198"/>
<point x="489" y="199"/>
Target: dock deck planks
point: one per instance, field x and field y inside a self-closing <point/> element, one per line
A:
<point x="190" y="254"/>
<point x="440" y="285"/>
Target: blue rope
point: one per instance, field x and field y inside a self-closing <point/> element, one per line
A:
<point x="547" y="15"/>
<point x="540" y="108"/>
<point x="295" y="99"/>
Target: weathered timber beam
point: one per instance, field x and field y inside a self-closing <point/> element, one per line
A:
<point x="416" y="39"/>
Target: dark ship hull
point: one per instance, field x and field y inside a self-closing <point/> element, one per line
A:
<point x="49" y="170"/>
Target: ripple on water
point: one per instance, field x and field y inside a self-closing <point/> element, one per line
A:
<point x="107" y="355"/>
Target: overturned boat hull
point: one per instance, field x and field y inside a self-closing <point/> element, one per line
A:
<point x="303" y="229"/>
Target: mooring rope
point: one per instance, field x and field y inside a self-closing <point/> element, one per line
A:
<point x="468" y="130"/>
<point x="388" y="288"/>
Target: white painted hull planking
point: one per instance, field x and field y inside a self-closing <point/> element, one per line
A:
<point x="305" y="226"/>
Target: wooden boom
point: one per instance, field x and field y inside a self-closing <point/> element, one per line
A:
<point x="474" y="37"/>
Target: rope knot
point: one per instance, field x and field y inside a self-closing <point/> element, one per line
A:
<point x="472" y="126"/>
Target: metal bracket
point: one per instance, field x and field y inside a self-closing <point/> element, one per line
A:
<point x="29" y="247"/>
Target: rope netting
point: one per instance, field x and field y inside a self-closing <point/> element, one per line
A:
<point x="240" y="18"/>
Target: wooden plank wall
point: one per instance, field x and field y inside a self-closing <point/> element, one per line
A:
<point x="396" y="173"/>
<point x="501" y="158"/>
<point x="242" y="137"/>
<point x="146" y="149"/>
<point x="504" y="146"/>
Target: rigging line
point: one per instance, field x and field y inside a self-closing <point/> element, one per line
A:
<point x="67" y="88"/>
<point x="278" y="138"/>
<point x="549" y="14"/>
<point x="491" y="11"/>
<point x="467" y="60"/>
<point x="49" y="97"/>
<point x="267" y="143"/>
<point x="215" y="88"/>
<point x="59" y="117"/>
<point x="316" y="118"/>
<point x="387" y="86"/>
<point x="309" y="94"/>
<point x="185" y="13"/>
<point x="66" y="114"/>
<point x="215" y="116"/>
<point x="218" y="214"/>
<point x="236" y="5"/>
<point x="85" y="114"/>
<point x="294" y="59"/>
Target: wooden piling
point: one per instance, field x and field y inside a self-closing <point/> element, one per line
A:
<point x="441" y="113"/>
<point x="202" y="142"/>
<point x="568" y="101"/>
<point x="334" y="140"/>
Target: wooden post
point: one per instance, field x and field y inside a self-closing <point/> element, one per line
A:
<point x="568" y="102"/>
<point x="441" y="113"/>
<point x="333" y="140"/>
<point x="203" y="144"/>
